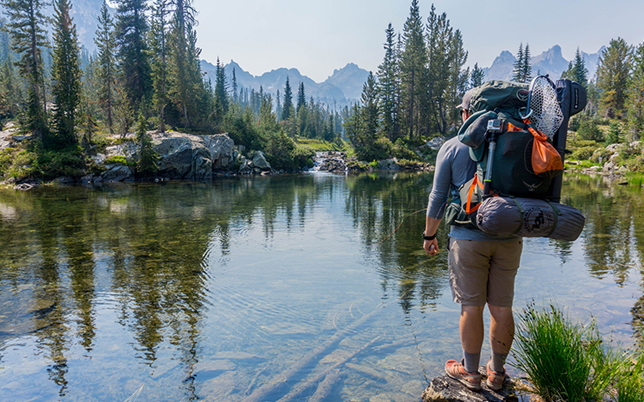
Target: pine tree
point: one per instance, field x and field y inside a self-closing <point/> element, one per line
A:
<point x="477" y="76"/>
<point x="107" y="81"/>
<point x="526" y="74"/>
<point x="221" y="93"/>
<point x="443" y="67"/>
<point x="413" y="69"/>
<point x="388" y="87"/>
<point x="517" y="70"/>
<point x="131" y="30"/>
<point x="287" y="107"/>
<point x="27" y="27"/>
<point x="235" y="89"/>
<point x="612" y="77"/>
<point x="185" y="70"/>
<point x="458" y="80"/>
<point x="577" y="70"/>
<point x="635" y="100"/>
<point x="159" y="29"/>
<point x="301" y="98"/>
<point x="147" y="164"/>
<point x="66" y="74"/>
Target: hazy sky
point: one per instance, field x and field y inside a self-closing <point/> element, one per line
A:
<point x="317" y="37"/>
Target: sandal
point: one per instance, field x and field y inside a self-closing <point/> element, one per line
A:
<point x="456" y="370"/>
<point x="494" y="379"/>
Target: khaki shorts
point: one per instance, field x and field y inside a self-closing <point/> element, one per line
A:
<point x="483" y="272"/>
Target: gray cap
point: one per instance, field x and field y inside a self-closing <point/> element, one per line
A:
<point x="465" y="104"/>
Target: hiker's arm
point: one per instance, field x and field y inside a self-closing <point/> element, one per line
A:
<point x="431" y="226"/>
<point x="438" y="198"/>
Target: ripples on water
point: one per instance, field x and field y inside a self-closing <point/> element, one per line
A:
<point x="268" y="287"/>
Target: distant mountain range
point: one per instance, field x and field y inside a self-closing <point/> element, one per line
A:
<point x="550" y="62"/>
<point x="342" y="88"/>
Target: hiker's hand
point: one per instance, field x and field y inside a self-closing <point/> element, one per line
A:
<point x="431" y="246"/>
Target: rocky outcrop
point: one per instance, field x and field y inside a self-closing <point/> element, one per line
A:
<point x="446" y="389"/>
<point x="185" y="156"/>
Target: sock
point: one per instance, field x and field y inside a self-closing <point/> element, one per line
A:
<point x="498" y="360"/>
<point x="472" y="360"/>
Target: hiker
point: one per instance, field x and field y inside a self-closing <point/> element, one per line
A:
<point x="482" y="269"/>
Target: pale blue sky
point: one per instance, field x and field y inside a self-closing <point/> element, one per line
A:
<point x="317" y="37"/>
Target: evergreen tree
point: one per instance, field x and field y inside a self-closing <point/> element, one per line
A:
<point x="526" y="74"/>
<point x="612" y="77"/>
<point x="287" y="107"/>
<point x="458" y="81"/>
<point x="445" y="62"/>
<point x="388" y="87"/>
<point x="413" y="69"/>
<point x="635" y="100"/>
<point x="147" y="163"/>
<point x="518" y="69"/>
<point x="131" y="30"/>
<point x="235" y="89"/>
<point x="362" y="128"/>
<point x="301" y="98"/>
<point x="105" y="44"/>
<point x="66" y="74"/>
<point x="10" y="92"/>
<point x="221" y="93"/>
<point x="27" y="24"/>
<point x="186" y="71"/>
<point x="159" y="29"/>
<point x="477" y="77"/>
<point x="577" y="70"/>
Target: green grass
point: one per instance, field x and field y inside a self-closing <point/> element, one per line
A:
<point x="635" y="179"/>
<point x="321" y="146"/>
<point x="567" y="361"/>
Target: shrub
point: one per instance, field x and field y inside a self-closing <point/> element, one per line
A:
<point x="589" y="130"/>
<point x="303" y="157"/>
<point x="279" y="151"/>
<point x="117" y="159"/>
<point x="400" y="151"/>
<point x="582" y="154"/>
<point x="65" y="162"/>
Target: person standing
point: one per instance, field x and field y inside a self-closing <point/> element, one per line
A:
<point x="482" y="270"/>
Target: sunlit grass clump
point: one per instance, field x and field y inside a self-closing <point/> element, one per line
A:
<point x="568" y="361"/>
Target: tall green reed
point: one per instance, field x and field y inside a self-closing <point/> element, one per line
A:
<point x="567" y="361"/>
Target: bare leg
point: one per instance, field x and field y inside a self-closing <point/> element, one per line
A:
<point x="471" y="328"/>
<point x="501" y="329"/>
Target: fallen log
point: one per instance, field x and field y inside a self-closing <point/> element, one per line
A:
<point x="264" y="392"/>
<point x="297" y="391"/>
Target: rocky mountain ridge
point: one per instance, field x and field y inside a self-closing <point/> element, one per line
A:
<point x="549" y="62"/>
<point x="341" y="88"/>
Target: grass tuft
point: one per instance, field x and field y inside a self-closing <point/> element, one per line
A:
<point x="567" y="361"/>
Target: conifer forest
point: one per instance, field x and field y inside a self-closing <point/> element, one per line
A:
<point x="146" y="73"/>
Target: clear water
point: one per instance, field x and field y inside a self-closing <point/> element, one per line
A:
<point x="269" y="288"/>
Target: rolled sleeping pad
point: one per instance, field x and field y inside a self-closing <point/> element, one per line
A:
<point x="529" y="217"/>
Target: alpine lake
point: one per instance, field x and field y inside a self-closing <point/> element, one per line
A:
<point x="272" y="288"/>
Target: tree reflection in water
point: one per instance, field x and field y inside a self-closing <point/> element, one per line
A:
<point x="145" y="249"/>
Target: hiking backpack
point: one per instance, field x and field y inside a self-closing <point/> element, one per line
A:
<point x="524" y="161"/>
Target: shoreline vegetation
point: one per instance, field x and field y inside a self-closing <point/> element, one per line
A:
<point x="145" y="81"/>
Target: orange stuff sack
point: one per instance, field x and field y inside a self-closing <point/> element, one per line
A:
<point x="546" y="161"/>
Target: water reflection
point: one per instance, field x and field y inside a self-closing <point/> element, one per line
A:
<point x="141" y="275"/>
<point x="382" y="203"/>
